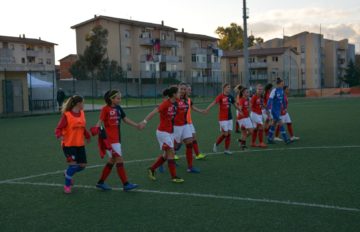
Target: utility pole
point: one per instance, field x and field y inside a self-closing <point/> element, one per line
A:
<point x="246" y="80"/>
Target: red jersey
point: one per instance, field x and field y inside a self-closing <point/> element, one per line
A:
<point x="244" y="105"/>
<point x="181" y="112"/>
<point x="225" y="102"/>
<point x="167" y="111"/>
<point x="111" y="116"/>
<point x="283" y="110"/>
<point x="256" y="104"/>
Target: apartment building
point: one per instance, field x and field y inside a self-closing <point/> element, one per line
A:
<point x="150" y="50"/>
<point x="27" y="67"/>
<point x="265" y="65"/>
<point x="321" y="62"/>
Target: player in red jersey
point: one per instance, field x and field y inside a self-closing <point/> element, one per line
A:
<point x="198" y="154"/>
<point x="225" y="100"/>
<point x="243" y="118"/>
<point x="165" y="133"/>
<point x="110" y="117"/>
<point x="256" y="104"/>
<point x="285" y="118"/>
<point x="266" y="116"/>
<point x="71" y="129"/>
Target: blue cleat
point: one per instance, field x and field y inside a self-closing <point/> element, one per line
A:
<point x="193" y="170"/>
<point x="129" y="186"/>
<point x="103" y="186"/>
<point x="161" y="169"/>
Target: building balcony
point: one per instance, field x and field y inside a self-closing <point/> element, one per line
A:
<point x="163" y="74"/>
<point x="198" y="65"/>
<point x="26" y="67"/>
<point x="259" y="77"/>
<point x="256" y="65"/>
<point x="146" y="41"/>
<point x="6" y="52"/>
<point x="32" y="53"/>
<point x="169" y="43"/>
<point x="200" y="51"/>
<point x="159" y="58"/>
<point x="214" y="66"/>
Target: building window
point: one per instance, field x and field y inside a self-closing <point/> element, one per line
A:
<point x="48" y="61"/>
<point x="193" y="57"/>
<point x="40" y="61"/>
<point x="12" y="47"/>
<point x="128" y="51"/>
<point x="275" y="59"/>
<point x="22" y="48"/>
<point x="23" y="60"/>
<point x="302" y="48"/>
<point x="251" y="59"/>
<point x="127" y="34"/>
<point x="48" y="50"/>
<point x="128" y="67"/>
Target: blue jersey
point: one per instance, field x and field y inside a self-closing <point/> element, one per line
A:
<point x="276" y="102"/>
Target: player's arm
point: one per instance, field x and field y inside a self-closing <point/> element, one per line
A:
<point x="130" y="122"/>
<point x="270" y="100"/>
<point x="148" y="118"/>
<point x="197" y="109"/>
<point x="209" y="106"/>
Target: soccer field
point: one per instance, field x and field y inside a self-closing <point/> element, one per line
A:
<point x="310" y="185"/>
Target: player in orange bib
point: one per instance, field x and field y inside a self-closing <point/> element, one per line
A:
<point x="71" y="129"/>
<point x="110" y="117"/>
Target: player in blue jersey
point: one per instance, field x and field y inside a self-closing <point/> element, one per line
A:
<point x="275" y="104"/>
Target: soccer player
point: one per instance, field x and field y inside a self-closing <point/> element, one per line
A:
<point x="225" y="100"/>
<point x="110" y="117"/>
<point x="275" y="103"/>
<point x="265" y="115"/>
<point x="164" y="133"/>
<point x="245" y="124"/>
<point x="285" y="118"/>
<point x="256" y="104"/>
<point x="198" y="154"/>
<point x="236" y="90"/>
<point x="71" y="130"/>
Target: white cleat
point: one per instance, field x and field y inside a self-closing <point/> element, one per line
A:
<point x="294" y="138"/>
<point x="227" y="152"/>
<point x="278" y="139"/>
<point x="215" y="148"/>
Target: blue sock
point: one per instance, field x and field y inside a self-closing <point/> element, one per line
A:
<point x="283" y="133"/>
<point x="70" y="171"/>
<point x="271" y="133"/>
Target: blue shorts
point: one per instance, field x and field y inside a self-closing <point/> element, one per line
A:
<point x="275" y="116"/>
<point x="77" y="154"/>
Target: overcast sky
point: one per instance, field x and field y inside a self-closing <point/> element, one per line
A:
<point x="51" y="20"/>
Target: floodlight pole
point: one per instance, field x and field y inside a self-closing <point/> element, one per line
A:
<point x="246" y="79"/>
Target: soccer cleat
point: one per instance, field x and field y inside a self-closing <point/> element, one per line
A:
<point x="161" y="169"/>
<point x="243" y="147"/>
<point x="227" y="152"/>
<point x="289" y="141"/>
<point x="176" y="157"/>
<point x="177" y="179"/>
<point x="200" y="156"/>
<point x="294" y="138"/>
<point x="278" y="139"/>
<point x="67" y="189"/>
<point x="262" y="145"/>
<point x="215" y="148"/>
<point x="103" y="186"/>
<point x="193" y="170"/>
<point x="151" y="174"/>
<point x="129" y="186"/>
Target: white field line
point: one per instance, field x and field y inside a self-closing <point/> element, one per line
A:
<point x="211" y="154"/>
<point x="211" y="196"/>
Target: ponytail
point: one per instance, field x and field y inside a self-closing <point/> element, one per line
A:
<point x="170" y="92"/>
<point x="71" y="102"/>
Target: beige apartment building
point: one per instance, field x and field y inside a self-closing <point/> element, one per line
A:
<point x="27" y="73"/>
<point x="265" y="65"/>
<point x="150" y="50"/>
<point x="320" y="63"/>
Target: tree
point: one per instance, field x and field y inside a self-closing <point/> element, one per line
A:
<point x="352" y="75"/>
<point x="231" y="38"/>
<point x="94" y="63"/>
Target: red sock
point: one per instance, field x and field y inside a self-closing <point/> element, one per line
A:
<point x="277" y="132"/>
<point x="220" y="139"/>
<point x="172" y="167"/>
<point x="267" y="130"/>
<point x="290" y="129"/>
<point x="261" y="135"/>
<point x="227" y="142"/>
<point x="196" y="147"/>
<point x="121" y="172"/>
<point x="160" y="160"/>
<point x="189" y="157"/>
<point x="106" y="172"/>
<point x="254" y="134"/>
